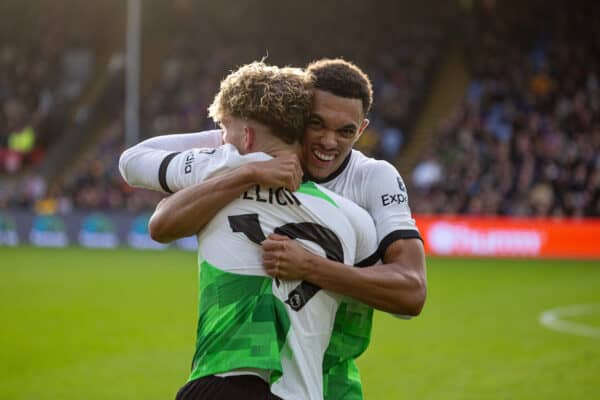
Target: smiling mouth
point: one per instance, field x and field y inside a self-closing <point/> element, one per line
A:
<point x="323" y="156"/>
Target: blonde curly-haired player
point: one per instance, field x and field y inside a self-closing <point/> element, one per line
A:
<point x="254" y="330"/>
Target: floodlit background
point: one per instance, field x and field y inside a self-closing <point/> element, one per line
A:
<point x="489" y="109"/>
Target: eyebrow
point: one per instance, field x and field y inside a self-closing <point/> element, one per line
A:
<point x="350" y="126"/>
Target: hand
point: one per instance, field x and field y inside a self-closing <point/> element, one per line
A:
<point x="283" y="170"/>
<point x="284" y="258"/>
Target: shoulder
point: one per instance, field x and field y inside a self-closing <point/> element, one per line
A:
<point x="378" y="168"/>
<point x="361" y="228"/>
<point x="357" y="215"/>
<point x="213" y="137"/>
<point x="364" y="167"/>
<point x="374" y="174"/>
<point x="230" y="152"/>
<point x="328" y="199"/>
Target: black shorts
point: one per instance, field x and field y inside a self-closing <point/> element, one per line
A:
<point x="239" y="387"/>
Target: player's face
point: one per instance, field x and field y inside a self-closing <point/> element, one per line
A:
<point x="233" y="131"/>
<point x="335" y="125"/>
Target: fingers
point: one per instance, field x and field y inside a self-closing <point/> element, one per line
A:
<point x="284" y="170"/>
<point x="297" y="174"/>
<point x="276" y="236"/>
<point x="292" y="171"/>
<point x="297" y="180"/>
<point x="273" y="251"/>
<point x="293" y="177"/>
<point x="271" y="264"/>
<point x="273" y="248"/>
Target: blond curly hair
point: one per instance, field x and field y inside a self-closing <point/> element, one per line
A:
<point x="278" y="97"/>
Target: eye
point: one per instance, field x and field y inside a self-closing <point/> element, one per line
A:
<point x="315" y="123"/>
<point x="346" y="132"/>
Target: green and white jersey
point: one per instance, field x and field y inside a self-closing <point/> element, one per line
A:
<point x="248" y="321"/>
<point x="374" y="185"/>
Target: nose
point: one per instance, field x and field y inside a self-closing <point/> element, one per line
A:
<point x="328" y="139"/>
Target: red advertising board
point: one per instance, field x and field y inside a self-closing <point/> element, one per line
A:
<point x="510" y="237"/>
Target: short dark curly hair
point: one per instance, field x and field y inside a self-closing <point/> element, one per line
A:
<point x="280" y="98"/>
<point x="342" y="78"/>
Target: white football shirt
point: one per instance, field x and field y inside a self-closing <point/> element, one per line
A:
<point x="323" y="222"/>
<point x="376" y="186"/>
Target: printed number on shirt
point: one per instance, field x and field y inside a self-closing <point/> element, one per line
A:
<point x="249" y="225"/>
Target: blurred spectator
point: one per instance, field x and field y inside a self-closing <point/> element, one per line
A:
<point x="189" y="76"/>
<point x="46" y="58"/>
<point x="427" y="173"/>
<point x="526" y="139"/>
<point x="20" y="138"/>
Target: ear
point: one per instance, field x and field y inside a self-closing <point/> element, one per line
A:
<point x="362" y="128"/>
<point x="364" y="125"/>
<point x="249" y="139"/>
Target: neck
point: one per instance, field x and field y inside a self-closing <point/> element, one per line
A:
<point x="265" y="142"/>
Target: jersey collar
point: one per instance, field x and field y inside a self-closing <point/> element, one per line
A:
<point x="334" y="174"/>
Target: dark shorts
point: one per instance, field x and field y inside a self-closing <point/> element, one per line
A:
<point x="246" y="387"/>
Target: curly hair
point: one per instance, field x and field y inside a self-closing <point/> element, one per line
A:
<point x="280" y="98"/>
<point x="342" y="78"/>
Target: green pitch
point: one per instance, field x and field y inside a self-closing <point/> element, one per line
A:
<point x="87" y="324"/>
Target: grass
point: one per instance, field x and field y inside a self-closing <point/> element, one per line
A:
<point x="99" y="324"/>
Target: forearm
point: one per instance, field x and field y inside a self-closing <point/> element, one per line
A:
<point x="184" y="141"/>
<point x="199" y="197"/>
<point x="386" y="287"/>
<point x="186" y="212"/>
<point x="140" y="164"/>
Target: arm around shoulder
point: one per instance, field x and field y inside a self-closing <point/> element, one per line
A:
<point x="187" y="211"/>
<point x="139" y="165"/>
<point x="399" y="286"/>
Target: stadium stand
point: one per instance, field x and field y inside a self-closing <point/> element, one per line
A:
<point x="29" y="92"/>
<point x="47" y="58"/>
<point x="525" y="141"/>
<point x="181" y="86"/>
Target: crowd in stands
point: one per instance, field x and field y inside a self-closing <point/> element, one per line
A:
<point x="399" y="64"/>
<point x="524" y="142"/>
<point x="45" y="61"/>
<point x="187" y="79"/>
<point x="526" y="139"/>
<point x="27" y="72"/>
